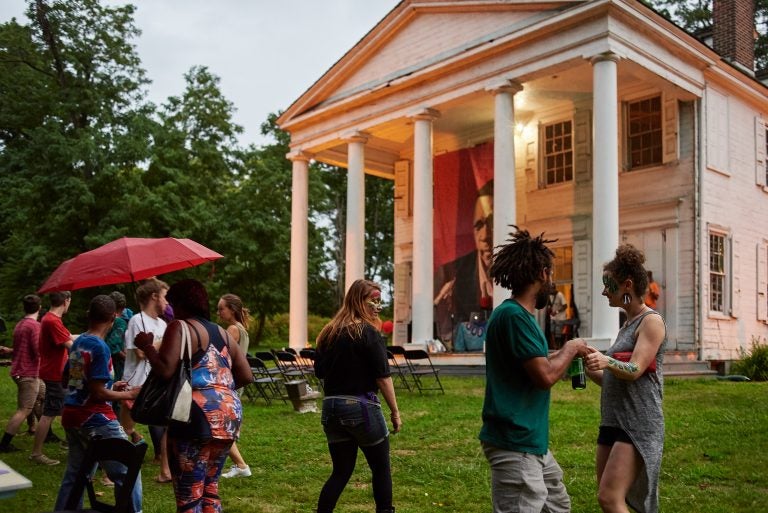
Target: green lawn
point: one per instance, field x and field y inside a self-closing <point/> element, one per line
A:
<point x="715" y="457"/>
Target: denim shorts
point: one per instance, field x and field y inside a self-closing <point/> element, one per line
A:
<point x="348" y="418"/>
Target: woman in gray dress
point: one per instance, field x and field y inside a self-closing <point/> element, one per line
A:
<point x="631" y="438"/>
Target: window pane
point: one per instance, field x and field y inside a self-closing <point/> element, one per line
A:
<point x="644" y="133"/>
<point x="558" y="152"/>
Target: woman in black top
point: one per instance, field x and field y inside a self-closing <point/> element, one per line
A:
<point x="352" y="361"/>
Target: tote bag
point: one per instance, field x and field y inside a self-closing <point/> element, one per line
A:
<point x="161" y="400"/>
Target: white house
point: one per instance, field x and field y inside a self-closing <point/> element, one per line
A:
<point x="607" y="122"/>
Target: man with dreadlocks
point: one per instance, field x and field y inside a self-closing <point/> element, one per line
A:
<point x="525" y="478"/>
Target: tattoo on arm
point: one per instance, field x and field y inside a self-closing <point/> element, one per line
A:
<point x="629" y="367"/>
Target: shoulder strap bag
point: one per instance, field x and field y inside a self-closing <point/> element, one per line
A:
<point x="161" y="400"/>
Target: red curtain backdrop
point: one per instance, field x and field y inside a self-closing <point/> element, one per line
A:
<point x="458" y="176"/>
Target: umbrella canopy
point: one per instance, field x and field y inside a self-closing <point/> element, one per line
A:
<point x="126" y="260"/>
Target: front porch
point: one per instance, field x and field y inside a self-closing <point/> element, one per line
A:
<point x="677" y="364"/>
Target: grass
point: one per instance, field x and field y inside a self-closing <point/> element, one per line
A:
<point x="714" y="460"/>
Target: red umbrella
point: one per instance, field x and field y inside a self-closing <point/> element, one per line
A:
<point x="126" y="260"/>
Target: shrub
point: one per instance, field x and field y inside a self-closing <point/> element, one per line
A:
<point x="275" y="334"/>
<point x="753" y="363"/>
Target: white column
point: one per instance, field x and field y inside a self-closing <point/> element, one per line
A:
<point x="423" y="257"/>
<point x="504" y="192"/>
<point x="605" y="190"/>
<point x="355" y="250"/>
<point x="297" y="327"/>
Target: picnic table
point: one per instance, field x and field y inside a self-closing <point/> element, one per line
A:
<point x="11" y="481"/>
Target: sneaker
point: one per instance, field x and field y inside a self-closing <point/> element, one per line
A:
<point x="8" y="448"/>
<point x="235" y="471"/>
<point x="42" y="459"/>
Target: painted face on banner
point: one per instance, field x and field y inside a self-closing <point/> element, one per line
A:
<point x="482" y="224"/>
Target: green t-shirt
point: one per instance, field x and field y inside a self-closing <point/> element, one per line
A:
<point x="515" y="411"/>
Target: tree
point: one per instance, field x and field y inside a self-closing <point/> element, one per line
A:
<point x="74" y="124"/>
<point x="696" y="15"/>
<point x="195" y="160"/>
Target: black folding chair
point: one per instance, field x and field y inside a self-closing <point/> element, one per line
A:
<point x="398" y="371"/>
<point x="270" y="360"/>
<point x="289" y="365"/>
<point x="266" y="385"/>
<point x="307" y="362"/>
<point x="425" y="376"/>
<point x="108" y="449"/>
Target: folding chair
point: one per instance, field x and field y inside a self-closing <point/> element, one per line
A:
<point x="307" y="358"/>
<point x="399" y="371"/>
<point x="425" y="376"/>
<point x="108" y="449"/>
<point x="264" y="383"/>
<point x="289" y="365"/>
<point x="307" y="362"/>
<point x="270" y="360"/>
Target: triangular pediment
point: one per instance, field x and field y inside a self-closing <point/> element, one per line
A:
<point x="416" y="35"/>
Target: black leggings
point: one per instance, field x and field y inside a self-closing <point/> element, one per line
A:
<point x="344" y="457"/>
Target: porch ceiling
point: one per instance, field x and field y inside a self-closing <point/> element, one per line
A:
<point x="468" y="120"/>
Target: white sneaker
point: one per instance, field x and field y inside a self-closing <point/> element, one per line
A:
<point x="235" y="471"/>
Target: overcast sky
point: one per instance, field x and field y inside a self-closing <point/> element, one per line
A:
<point x="266" y="52"/>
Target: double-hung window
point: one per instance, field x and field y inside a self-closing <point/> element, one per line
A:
<point x="719" y="293"/>
<point x="644" y="133"/>
<point x="558" y="152"/>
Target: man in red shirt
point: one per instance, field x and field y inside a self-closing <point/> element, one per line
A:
<point x="24" y="369"/>
<point x="55" y="339"/>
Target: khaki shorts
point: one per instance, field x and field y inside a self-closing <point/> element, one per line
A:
<point x="30" y="391"/>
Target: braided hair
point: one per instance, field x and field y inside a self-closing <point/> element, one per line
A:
<point x="518" y="263"/>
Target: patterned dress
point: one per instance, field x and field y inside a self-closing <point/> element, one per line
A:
<point x="635" y="407"/>
<point x="197" y="450"/>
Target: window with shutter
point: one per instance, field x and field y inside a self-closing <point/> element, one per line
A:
<point x="557" y="152"/>
<point x="720" y="283"/>
<point x="644" y="133"/>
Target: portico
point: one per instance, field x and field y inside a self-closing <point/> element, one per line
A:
<point x="587" y="109"/>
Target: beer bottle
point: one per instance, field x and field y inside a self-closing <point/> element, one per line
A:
<point x="576" y="372"/>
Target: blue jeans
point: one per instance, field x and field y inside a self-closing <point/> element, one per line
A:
<point x="351" y="422"/>
<point x="78" y="440"/>
<point x="348" y="418"/>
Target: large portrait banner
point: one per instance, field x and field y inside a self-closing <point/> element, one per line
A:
<point x="463" y="245"/>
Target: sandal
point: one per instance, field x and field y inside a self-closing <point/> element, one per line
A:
<point x="163" y="480"/>
<point x="136" y="437"/>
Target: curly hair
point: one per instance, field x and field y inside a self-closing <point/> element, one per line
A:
<point x="352" y="316"/>
<point x="628" y="263"/>
<point x="189" y="299"/>
<point x="518" y="263"/>
<point x="101" y="309"/>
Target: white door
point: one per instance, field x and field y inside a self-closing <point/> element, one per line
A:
<point x="660" y="248"/>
